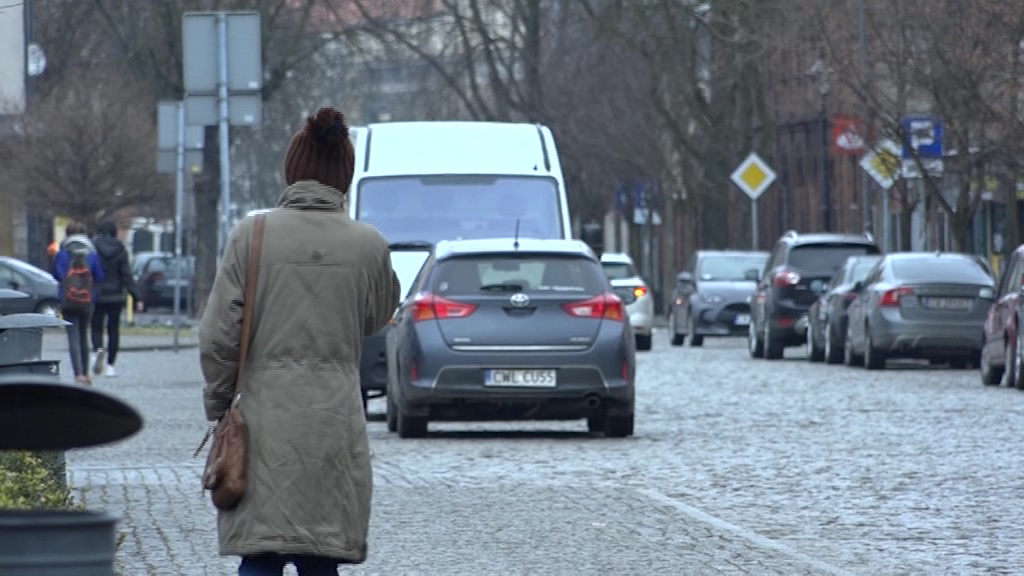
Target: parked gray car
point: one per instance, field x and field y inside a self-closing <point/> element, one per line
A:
<point x="39" y="291"/>
<point x="712" y="295"/>
<point x="826" y="319"/>
<point x="505" y="330"/>
<point x="919" y="305"/>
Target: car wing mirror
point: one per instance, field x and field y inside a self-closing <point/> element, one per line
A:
<point x="858" y="286"/>
<point x="684" y="278"/>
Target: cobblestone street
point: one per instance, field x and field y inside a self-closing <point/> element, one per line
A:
<point x="737" y="467"/>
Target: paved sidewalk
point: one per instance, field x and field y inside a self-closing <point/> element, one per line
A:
<point x="56" y="342"/>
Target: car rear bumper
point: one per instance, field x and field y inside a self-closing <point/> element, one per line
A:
<point x="461" y="395"/>
<point x="586" y="382"/>
<point x="641" y="315"/>
<point x="920" y="339"/>
<point x="786" y="322"/>
<point x="373" y="366"/>
<point x="729" y="319"/>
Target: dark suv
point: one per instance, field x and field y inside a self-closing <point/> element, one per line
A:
<point x="794" y="277"/>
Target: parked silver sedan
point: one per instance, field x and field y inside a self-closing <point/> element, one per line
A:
<point x="919" y="305"/>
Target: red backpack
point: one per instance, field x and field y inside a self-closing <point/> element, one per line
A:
<point x="78" y="282"/>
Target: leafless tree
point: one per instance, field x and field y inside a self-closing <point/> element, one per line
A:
<point x="147" y="37"/>
<point x="947" y="59"/>
<point x="87" y="152"/>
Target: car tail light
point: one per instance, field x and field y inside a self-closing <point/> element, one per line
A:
<point x="892" y="297"/>
<point x="785" y="279"/>
<point x="431" y="307"/>
<point x="639" y="291"/>
<point x="606" y="305"/>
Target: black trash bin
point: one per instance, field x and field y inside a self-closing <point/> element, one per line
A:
<point x="41" y="413"/>
<point x="21" y="336"/>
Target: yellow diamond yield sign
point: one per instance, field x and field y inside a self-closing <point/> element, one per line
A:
<point x="753" y="176"/>
<point x="883" y="163"/>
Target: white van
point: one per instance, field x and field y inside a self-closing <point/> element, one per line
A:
<point x="432" y="181"/>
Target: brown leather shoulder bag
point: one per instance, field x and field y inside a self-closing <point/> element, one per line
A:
<point x="225" y="472"/>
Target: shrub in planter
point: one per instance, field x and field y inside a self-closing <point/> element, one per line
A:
<point x="27" y="481"/>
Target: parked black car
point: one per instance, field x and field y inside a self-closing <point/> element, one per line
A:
<point x="159" y="277"/>
<point x="39" y="291"/>
<point x="826" y="319"/>
<point x="712" y="295"/>
<point x="793" y="279"/>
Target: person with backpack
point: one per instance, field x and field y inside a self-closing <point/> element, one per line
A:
<point x="110" y="298"/>
<point x="78" y="269"/>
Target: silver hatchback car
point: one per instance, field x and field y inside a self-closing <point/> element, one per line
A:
<point x="919" y="305"/>
<point x="635" y="294"/>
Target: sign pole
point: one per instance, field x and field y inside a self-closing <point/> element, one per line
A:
<point x="179" y="193"/>
<point x="753" y="223"/>
<point x="225" y="146"/>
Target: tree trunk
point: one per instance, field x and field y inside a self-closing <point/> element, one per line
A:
<point x="207" y="211"/>
<point x="906" y="217"/>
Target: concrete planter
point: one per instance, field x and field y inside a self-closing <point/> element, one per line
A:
<point x="57" y="543"/>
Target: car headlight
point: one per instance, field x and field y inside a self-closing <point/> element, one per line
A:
<point x="710" y="298"/>
<point x="985" y="293"/>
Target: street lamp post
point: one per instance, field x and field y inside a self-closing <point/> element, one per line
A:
<point x="826" y="193"/>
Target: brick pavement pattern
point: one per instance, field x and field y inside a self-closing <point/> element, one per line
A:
<point x="738" y="467"/>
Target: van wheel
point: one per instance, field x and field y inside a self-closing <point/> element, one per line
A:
<point x="411" y="427"/>
<point x="643" y="341"/>
<point x="392" y="415"/>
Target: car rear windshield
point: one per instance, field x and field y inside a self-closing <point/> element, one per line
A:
<point x="944" y="269"/>
<point x="861" y="268"/>
<point x="618" y="270"/>
<point x="729" y="268"/>
<point x="460" y="207"/>
<point x="481" y="274"/>
<point x="825" y="259"/>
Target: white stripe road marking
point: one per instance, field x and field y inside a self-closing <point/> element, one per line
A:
<point x="749" y="535"/>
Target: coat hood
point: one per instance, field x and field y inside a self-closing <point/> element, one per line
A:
<point x="311" y="195"/>
<point x="78" y="242"/>
<point x="110" y="248"/>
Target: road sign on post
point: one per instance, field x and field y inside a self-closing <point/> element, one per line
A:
<point x="753" y="176"/>
<point x="883" y="163"/>
<point x="174" y="140"/>
<point x="223" y="77"/>
<point x="922" y="140"/>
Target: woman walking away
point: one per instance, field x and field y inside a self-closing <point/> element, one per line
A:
<point x="78" y="269"/>
<point x="324" y="283"/>
<point x="110" y="298"/>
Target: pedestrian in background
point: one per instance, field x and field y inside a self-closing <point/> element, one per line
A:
<point x="110" y="298"/>
<point x="324" y="283"/>
<point x="77" y="267"/>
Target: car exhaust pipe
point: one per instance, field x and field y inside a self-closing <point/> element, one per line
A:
<point x="592" y="400"/>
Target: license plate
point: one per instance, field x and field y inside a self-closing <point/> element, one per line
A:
<point x="948" y="303"/>
<point x="742" y="319"/>
<point x="520" y="378"/>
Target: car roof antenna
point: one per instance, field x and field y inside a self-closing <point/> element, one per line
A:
<point x="515" y="241"/>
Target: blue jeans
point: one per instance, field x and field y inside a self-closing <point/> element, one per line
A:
<point x="273" y="565"/>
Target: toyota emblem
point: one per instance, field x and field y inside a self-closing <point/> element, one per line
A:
<point x="519" y="300"/>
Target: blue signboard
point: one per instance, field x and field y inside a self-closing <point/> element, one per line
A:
<point x="923" y="135"/>
<point x="621" y="198"/>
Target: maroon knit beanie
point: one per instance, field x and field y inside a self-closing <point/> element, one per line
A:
<point x="321" y="151"/>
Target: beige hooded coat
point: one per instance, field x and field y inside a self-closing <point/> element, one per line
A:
<point x="325" y="282"/>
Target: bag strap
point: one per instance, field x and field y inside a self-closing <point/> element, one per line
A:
<point x="252" y="275"/>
